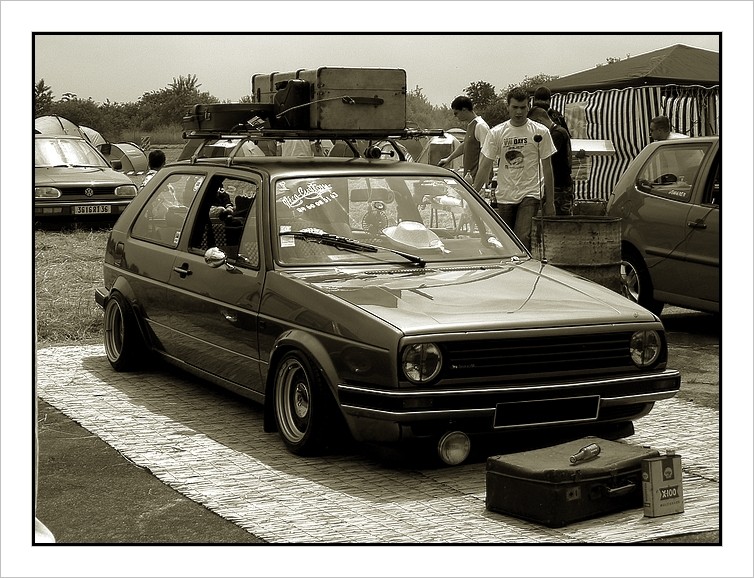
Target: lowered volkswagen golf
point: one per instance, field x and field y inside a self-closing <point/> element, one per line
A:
<point x="370" y="295"/>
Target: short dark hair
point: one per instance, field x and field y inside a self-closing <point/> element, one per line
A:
<point x="662" y="122"/>
<point x="461" y="102"/>
<point x="542" y="93"/>
<point x="517" y="93"/>
<point x="539" y="112"/>
<point x="156" y="159"/>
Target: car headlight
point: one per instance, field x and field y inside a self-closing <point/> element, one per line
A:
<point x="645" y="347"/>
<point x="125" y="191"/>
<point x="421" y="362"/>
<point x="46" y="193"/>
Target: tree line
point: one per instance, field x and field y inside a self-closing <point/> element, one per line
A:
<point x="160" y="111"/>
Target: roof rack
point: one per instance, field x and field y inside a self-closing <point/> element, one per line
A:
<point x="349" y="137"/>
<point x="312" y="134"/>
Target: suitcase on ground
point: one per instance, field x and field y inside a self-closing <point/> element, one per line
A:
<point x="543" y="486"/>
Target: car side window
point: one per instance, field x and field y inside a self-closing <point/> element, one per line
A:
<point x="164" y="215"/>
<point x="227" y="209"/>
<point x="671" y="172"/>
<point x="248" y="248"/>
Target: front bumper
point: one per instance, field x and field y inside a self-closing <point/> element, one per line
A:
<point x="570" y="403"/>
<point x="89" y="209"/>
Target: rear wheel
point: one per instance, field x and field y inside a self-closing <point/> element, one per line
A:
<point x="636" y="284"/>
<point x="301" y="405"/>
<point x="124" y="344"/>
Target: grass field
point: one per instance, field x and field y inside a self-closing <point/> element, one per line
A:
<point x="67" y="268"/>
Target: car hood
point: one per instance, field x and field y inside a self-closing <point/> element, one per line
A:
<point x="89" y="176"/>
<point x="527" y="294"/>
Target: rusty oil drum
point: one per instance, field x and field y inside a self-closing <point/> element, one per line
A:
<point x="586" y="245"/>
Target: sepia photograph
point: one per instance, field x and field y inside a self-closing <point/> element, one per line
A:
<point x="315" y="281"/>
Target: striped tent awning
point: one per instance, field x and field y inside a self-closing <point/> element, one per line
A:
<point x="622" y="116"/>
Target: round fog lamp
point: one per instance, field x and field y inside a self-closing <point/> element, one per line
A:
<point x="454" y="447"/>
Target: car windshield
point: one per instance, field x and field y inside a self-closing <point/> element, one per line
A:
<point x="65" y="152"/>
<point x="435" y="219"/>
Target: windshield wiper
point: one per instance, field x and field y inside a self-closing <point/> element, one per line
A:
<point x="350" y="245"/>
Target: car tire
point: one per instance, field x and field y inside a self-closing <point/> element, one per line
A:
<point x="636" y="284"/>
<point x="124" y="344"/>
<point x="301" y="405"/>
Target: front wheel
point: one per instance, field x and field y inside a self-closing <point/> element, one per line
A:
<point x="124" y="344"/>
<point x="636" y="284"/>
<point x="300" y="404"/>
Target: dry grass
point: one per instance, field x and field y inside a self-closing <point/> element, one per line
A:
<point x="67" y="268"/>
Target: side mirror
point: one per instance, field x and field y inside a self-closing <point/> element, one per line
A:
<point x="117" y="165"/>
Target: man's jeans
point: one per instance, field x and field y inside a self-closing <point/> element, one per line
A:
<point x="519" y="216"/>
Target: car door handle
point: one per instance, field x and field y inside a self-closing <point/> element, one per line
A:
<point x="183" y="270"/>
<point x="698" y="224"/>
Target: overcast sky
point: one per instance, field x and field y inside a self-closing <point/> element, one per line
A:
<point x="121" y="68"/>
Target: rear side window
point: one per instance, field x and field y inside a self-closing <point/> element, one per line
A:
<point x="163" y="216"/>
<point x="672" y="171"/>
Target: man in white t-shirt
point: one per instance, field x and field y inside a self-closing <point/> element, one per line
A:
<point x="524" y="175"/>
<point x="477" y="130"/>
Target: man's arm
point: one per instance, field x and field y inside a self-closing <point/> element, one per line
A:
<point x="455" y="154"/>
<point x="483" y="171"/>
<point x="549" y="193"/>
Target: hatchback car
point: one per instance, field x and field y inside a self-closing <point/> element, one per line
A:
<point x="378" y="295"/>
<point x="73" y="180"/>
<point x="668" y="200"/>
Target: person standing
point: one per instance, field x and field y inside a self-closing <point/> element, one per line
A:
<point x="156" y="161"/>
<point x="477" y="130"/>
<point x="524" y="174"/>
<point x="543" y="96"/>
<point x="562" y="162"/>
<point x="659" y="129"/>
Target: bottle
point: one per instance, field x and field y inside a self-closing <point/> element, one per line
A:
<point x="493" y="194"/>
<point x="586" y="453"/>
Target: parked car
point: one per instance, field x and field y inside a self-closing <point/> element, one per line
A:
<point x="668" y="200"/>
<point x="378" y="295"/>
<point x="73" y="180"/>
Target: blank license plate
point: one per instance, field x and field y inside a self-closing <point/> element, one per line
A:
<point x="91" y="209"/>
<point x="547" y="411"/>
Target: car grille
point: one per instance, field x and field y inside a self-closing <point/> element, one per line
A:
<point x="80" y="191"/>
<point x="520" y="359"/>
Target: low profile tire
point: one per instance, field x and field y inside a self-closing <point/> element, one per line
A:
<point x="124" y="344"/>
<point x="301" y="405"/>
<point x="636" y="284"/>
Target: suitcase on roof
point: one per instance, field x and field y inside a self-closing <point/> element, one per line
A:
<point x="543" y="485"/>
<point x="222" y="117"/>
<point x="347" y="99"/>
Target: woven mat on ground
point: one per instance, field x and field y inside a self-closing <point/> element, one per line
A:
<point x="212" y="448"/>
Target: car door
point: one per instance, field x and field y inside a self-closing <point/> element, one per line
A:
<point x="701" y="246"/>
<point x="669" y="182"/>
<point x="151" y="247"/>
<point x="213" y="310"/>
